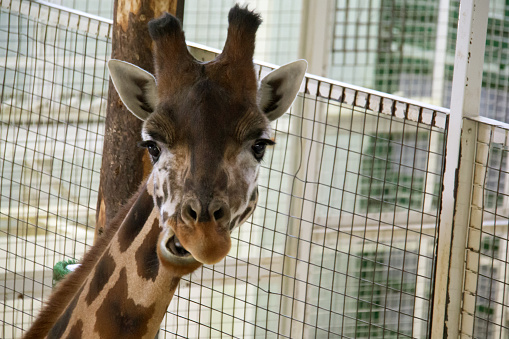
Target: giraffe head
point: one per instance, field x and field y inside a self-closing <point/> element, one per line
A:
<point x="206" y="127"/>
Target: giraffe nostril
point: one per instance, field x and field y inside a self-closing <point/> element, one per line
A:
<point x="192" y="213"/>
<point x="218" y="214"/>
<point x="219" y="211"/>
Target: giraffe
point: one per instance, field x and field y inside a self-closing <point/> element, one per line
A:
<point x="206" y="128"/>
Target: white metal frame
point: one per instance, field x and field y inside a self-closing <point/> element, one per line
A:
<point x="457" y="189"/>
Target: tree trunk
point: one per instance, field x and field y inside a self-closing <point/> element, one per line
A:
<point x="124" y="165"/>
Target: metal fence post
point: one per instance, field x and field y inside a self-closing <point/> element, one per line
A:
<point x="455" y="210"/>
<point x="437" y="86"/>
<point x="298" y="239"/>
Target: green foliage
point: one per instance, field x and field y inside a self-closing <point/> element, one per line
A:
<point x="60" y="269"/>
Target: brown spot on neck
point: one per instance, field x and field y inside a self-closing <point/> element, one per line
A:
<point x="76" y="331"/>
<point x="102" y="274"/>
<point x="147" y="262"/>
<point x="135" y="219"/>
<point x="119" y="316"/>
<point x="60" y="326"/>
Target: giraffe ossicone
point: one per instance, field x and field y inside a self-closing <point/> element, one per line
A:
<point x="206" y="127"/>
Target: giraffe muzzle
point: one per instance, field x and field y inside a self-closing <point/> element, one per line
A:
<point x="207" y="242"/>
<point x="200" y="236"/>
<point x="205" y="231"/>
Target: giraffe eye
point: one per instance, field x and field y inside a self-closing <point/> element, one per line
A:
<point x="152" y="148"/>
<point x="259" y="148"/>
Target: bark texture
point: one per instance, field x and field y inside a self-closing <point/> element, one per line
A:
<point x="124" y="165"/>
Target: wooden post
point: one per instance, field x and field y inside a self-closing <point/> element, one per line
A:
<point x="124" y="165"/>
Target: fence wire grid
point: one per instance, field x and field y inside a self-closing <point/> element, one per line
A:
<point x="343" y="242"/>
<point x="486" y="300"/>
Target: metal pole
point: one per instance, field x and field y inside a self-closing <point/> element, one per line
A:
<point x="437" y="87"/>
<point x="316" y="17"/>
<point x="454" y="215"/>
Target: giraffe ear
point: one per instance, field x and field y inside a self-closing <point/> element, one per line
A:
<point x="135" y="86"/>
<point x="279" y="88"/>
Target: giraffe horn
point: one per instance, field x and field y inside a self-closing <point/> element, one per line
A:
<point x="172" y="59"/>
<point x="240" y="42"/>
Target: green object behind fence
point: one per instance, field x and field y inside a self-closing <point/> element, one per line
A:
<point x="60" y="270"/>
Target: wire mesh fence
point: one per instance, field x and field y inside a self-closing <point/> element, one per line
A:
<point x="486" y="303"/>
<point x="343" y="242"/>
<point x="388" y="45"/>
<point x="54" y="85"/>
<point x="404" y="47"/>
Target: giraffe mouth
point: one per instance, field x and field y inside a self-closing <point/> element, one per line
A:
<point x="175" y="247"/>
<point x="172" y="253"/>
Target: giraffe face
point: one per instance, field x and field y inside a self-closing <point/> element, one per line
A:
<point x="206" y="127"/>
<point x="206" y="160"/>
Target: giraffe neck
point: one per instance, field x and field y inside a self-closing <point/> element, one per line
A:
<point x="124" y="293"/>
